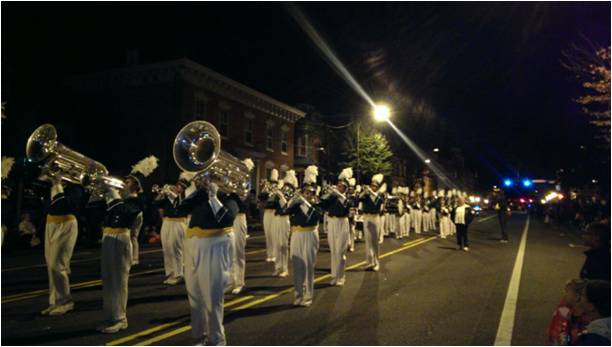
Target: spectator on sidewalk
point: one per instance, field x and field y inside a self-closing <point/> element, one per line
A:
<point x="501" y="208"/>
<point x="568" y="319"/>
<point x="462" y="216"/>
<point x="597" y="264"/>
<point x="595" y="301"/>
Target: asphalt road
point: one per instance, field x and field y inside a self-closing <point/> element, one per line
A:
<point x="427" y="293"/>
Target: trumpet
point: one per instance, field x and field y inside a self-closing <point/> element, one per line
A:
<point x="197" y="149"/>
<point x="60" y="162"/>
<point x="166" y="189"/>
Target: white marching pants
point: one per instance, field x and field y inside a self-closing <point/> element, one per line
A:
<point x="445" y="226"/>
<point x="453" y="227"/>
<point x="432" y="219"/>
<point x="370" y="230"/>
<point x="239" y="258"/>
<point x="208" y="266"/>
<point x="267" y="226"/>
<point x="60" y="239"/>
<point x="387" y="223"/>
<point x="352" y="234"/>
<point x="405" y="228"/>
<point x="280" y="232"/>
<point x="393" y="222"/>
<point x="417" y="221"/>
<point x="426" y="221"/>
<point x="304" y="247"/>
<point x="172" y="240"/>
<point x="116" y="264"/>
<point x="338" y="238"/>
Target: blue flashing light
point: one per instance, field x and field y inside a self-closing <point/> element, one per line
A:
<point x="527" y="183"/>
<point x="508" y="182"/>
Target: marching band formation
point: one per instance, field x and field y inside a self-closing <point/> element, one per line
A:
<point x="204" y="230"/>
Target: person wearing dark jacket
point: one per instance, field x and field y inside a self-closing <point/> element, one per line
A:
<point x="597" y="264"/>
<point x="595" y="302"/>
<point x="501" y="208"/>
<point x="462" y="216"/>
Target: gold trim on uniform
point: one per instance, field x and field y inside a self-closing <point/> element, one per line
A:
<point x="299" y="228"/>
<point x="199" y="232"/>
<point x="56" y="219"/>
<point x="109" y="230"/>
<point x="176" y="219"/>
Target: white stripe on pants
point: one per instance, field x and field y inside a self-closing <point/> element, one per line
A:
<point x="172" y="240"/>
<point x="60" y="239"/>
<point x="304" y="247"/>
<point x="239" y="260"/>
<point x="338" y="238"/>
<point x="371" y="230"/>
<point x="116" y="264"/>
<point x="208" y="266"/>
<point x="267" y="226"/>
<point x="280" y="232"/>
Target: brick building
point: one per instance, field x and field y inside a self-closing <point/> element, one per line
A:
<point x="153" y="102"/>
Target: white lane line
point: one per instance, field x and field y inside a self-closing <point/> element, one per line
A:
<point x="506" y="321"/>
<point x="485" y="218"/>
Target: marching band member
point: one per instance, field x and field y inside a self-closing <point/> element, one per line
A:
<point x="425" y="213"/>
<point x="451" y="205"/>
<point x="173" y="228"/>
<point x="7" y="165"/>
<point x="371" y="201"/>
<point x="445" y="222"/>
<point x="433" y="209"/>
<point x="120" y="231"/>
<point x="406" y="211"/>
<point x="281" y="225"/>
<point x="208" y="257"/>
<point x="382" y="220"/>
<point x="337" y="204"/>
<point x="240" y="237"/>
<point x="305" y="238"/>
<point x="352" y="214"/>
<point x="358" y="216"/>
<point x="267" y="198"/>
<point x="61" y="233"/>
<point x="418" y="215"/>
<point x="394" y="208"/>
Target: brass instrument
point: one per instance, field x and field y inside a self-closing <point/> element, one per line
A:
<point x="61" y="162"/>
<point x="197" y="148"/>
<point x="166" y="189"/>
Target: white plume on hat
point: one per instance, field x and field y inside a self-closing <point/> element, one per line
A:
<point x="358" y="189"/>
<point x="346" y="174"/>
<point x="377" y="178"/>
<point x="187" y="176"/>
<point x="383" y="188"/>
<point x="449" y="193"/>
<point x="290" y="178"/>
<point x="426" y="194"/>
<point x="419" y="191"/>
<point x="352" y="181"/>
<point x="412" y="193"/>
<point x="7" y="165"/>
<point x="280" y="184"/>
<point x="394" y="190"/>
<point x="274" y="175"/>
<point x="318" y="190"/>
<point x="248" y="162"/>
<point x="441" y="192"/>
<point x="310" y="175"/>
<point x="145" y="166"/>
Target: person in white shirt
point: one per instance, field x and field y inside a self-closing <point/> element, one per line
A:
<point x="462" y="216"/>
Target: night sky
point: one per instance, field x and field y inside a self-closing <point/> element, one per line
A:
<point x="490" y="71"/>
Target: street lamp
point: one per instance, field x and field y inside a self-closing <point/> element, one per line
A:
<point x="427" y="161"/>
<point x="381" y="112"/>
<point x="436" y="149"/>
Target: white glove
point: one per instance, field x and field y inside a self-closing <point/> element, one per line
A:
<point x="213" y="188"/>
<point x="56" y="188"/>
<point x="111" y="195"/>
<point x="191" y="189"/>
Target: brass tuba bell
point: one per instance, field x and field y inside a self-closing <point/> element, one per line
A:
<point x="59" y="161"/>
<point x="197" y="149"/>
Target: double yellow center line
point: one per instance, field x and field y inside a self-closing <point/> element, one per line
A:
<point x="241" y="300"/>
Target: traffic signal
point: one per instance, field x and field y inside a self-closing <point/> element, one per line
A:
<point x="508" y="182"/>
<point x="527" y="183"/>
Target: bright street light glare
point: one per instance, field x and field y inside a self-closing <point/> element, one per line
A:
<point x="381" y="113"/>
<point x="436" y="149"/>
<point x="427" y="161"/>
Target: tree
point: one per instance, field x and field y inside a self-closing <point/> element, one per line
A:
<point x="592" y="68"/>
<point x="366" y="151"/>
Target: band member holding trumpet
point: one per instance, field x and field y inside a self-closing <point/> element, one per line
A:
<point x="371" y="200"/>
<point x="240" y="237"/>
<point x="304" y="217"/>
<point x="281" y="224"/>
<point x="120" y="231"/>
<point x="173" y="227"/>
<point x="268" y="199"/>
<point x="61" y="233"/>
<point x="336" y="202"/>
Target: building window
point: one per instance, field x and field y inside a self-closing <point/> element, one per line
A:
<point x="302" y="146"/>
<point x="248" y="131"/>
<point x="224" y="123"/>
<point x="284" y="141"/>
<point x="200" y="107"/>
<point x="269" y="137"/>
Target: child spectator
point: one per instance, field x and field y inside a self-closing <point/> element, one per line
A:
<point x="595" y="301"/>
<point x="568" y="320"/>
